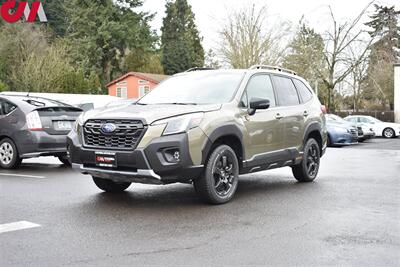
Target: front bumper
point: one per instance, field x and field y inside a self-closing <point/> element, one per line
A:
<point x="344" y="139"/>
<point x="39" y="143"/>
<point x="147" y="165"/>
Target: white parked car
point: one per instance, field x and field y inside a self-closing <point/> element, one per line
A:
<point x="385" y="129"/>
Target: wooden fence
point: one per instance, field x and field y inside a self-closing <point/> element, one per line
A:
<point x="387" y="116"/>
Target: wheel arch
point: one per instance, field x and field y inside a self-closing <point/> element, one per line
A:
<point x="388" y="127"/>
<point x="314" y="130"/>
<point x="229" y="135"/>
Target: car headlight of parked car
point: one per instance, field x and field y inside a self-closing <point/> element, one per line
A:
<point x="78" y="123"/>
<point x="180" y="124"/>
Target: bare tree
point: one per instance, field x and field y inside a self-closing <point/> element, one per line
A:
<point x="356" y="80"/>
<point x="338" y="41"/>
<point x="248" y="38"/>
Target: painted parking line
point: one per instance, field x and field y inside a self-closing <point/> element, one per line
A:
<point x="22" y="175"/>
<point x="16" y="226"/>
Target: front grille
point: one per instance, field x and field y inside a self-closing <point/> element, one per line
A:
<point x="360" y="131"/>
<point x="353" y="131"/>
<point x="126" y="136"/>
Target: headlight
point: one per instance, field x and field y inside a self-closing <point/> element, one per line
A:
<point x="78" y="122"/>
<point x="180" y="124"/>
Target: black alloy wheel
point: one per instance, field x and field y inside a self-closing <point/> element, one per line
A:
<point x="307" y="169"/>
<point x="219" y="181"/>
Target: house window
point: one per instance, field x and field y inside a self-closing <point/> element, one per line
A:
<point x="144" y="89"/>
<point x="122" y="92"/>
<point x="122" y="83"/>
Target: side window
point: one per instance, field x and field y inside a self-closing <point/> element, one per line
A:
<point x="303" y="90"/>
<point x="7" y="107"/>
<point x="286" y="92"/>
<point x="363" y="120"/>
<point x="352" y="119"/>
<point x="259" y="86"/>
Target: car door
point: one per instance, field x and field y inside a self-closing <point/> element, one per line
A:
<point x="264" y="131"/>
<point x="293" y="114"/>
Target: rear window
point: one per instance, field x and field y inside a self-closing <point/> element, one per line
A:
<point x="285" y="90"/>
<point x="303" y="90"/>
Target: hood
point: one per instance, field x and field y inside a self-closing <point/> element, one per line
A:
<point x="345" y="125"/>
<point x="147" y="113"/>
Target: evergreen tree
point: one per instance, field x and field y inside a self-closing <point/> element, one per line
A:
<point x="101" y="33"/>
<point x="306" y="55"/>
<point x="181" y="43"/>
<point x="384" y="53"/>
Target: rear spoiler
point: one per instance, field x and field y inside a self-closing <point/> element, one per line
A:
<point x="59" y="108"/>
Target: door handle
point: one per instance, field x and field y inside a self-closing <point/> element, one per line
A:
<point x="305" y="113"/>
<point x="278" y="116"/>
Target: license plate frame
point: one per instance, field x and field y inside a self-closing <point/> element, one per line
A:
<point x="63" y="125"/>
<point x="106" y="159"/>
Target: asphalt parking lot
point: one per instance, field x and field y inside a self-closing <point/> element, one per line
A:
<point x="349" y="216"/>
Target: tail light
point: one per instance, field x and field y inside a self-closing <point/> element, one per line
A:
<point x="33" y="121"/>
<point x="323" y="109"/>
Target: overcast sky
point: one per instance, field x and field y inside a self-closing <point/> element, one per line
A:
<point x="211" y="13"/>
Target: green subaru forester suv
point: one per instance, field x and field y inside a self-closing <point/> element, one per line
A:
<point x="204" y="127"/>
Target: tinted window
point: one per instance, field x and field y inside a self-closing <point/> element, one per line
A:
<point x="259" y="86"/>
<point x="6" y="107"/>
<point x="304" y="92"/>
<point x="286" y="92"/>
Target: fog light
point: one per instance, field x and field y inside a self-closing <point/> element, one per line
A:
<point x="177" y="155"/>
<point x="172" y="155"/>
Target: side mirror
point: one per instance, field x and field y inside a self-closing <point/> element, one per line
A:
<point x="258" y="103"/>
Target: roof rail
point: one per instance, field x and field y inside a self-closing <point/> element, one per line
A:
<point x="198" y="69"/>
<point x="258" y="67"/>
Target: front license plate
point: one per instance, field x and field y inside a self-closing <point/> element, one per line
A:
<point x="108" y="160"/>
<point x="64" y="125"/>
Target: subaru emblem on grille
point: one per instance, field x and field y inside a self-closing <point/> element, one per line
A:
<point x="108" y="128"/>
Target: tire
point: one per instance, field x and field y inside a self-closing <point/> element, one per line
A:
<point x="65" y="160"/>
<point x="111" y="186"/>
<point x="219" y="181"/>
<point x="388" y="133"/>
<point x="307" y="170"/>
<point x="9" y="156"/>
<point x="329" y="142"/>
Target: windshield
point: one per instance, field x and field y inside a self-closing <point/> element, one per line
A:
<point x="374" y="119"/>
<point x="203" y="87"/>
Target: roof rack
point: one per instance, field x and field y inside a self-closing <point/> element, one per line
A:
<point x="198" y="69"/>
<point x="268" y="67"/>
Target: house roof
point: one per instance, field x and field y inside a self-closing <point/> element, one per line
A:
<point x="155" y="78"/>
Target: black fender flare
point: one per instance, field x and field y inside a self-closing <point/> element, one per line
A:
<point x="221" y="131"/>
<point x="314" y="126"/>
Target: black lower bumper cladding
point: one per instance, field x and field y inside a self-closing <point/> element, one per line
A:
<point x="149" y="165"/>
